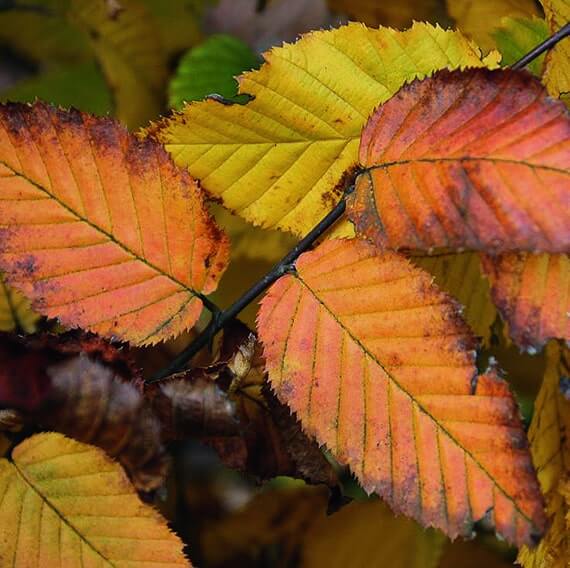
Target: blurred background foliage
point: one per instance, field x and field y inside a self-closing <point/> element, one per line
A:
<point x="139" y="59"/>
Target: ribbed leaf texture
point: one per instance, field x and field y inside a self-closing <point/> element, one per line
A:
<point x="276" y="160"/>
<point x="477" y="159"/>
<point x="63" y="503"/>
<point x="101" y="230"/>
<point x="15" y="310"/>
<point x="379" y="367"/>
<point x="532" y="293"/>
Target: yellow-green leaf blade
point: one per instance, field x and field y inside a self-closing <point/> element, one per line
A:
<point x="276" y="160"/>
<point x="63" y="503"/>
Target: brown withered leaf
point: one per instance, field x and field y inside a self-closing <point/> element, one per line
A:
<point x="191" y="404"/>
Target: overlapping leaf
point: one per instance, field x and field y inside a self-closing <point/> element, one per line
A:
<point x="460" y="275"/>
<point x="378" y="365"/>
<point x="551" y="453"/>
<point x="367" y="535"/>
<point x="65" y="504"/>
<point x="276" y="160"/>
<point x="101" y="230"/>
<point x="557" y="72"/>
<point x="477" y="18"/>
<point x="477" y="160"/>
<point x="532" y="293"/>
<point x="15" y="310"/>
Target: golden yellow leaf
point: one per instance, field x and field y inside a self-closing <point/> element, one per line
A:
<point x="63" y="504"/>
<point x="478" y="18"/>
<point x="460" y="275"/>
<point x="129" y="49"/>
<point x="550" y="449"/>
<point x="557" y="73"/>
<point x="276" y="161"/>
<point x="394" y="14"/>
<point x="366" y="534"/>
<point x="15" y="310"/>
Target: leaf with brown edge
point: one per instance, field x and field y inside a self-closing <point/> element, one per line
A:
<point x="379" y="366"/>
<point x="474" y="160"/>
<point x="67" y="504"/>
<point x="532" y="293"/>
<point x="100" y="229"/>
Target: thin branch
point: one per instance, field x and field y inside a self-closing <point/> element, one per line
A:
<point x="221" y="318"/>
<point x="547" y="44"/>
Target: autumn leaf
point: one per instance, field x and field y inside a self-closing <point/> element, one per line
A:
<point x="517" y="36"/>
<point x="557" y="72"/>
<point x="441" y="159"/>
<point x="460" y="275"/>
<point x="121" y="245"/>
<point x="276" y="160"/>
<point x="378" y="365"/>
<point x="366" y="534"/>
<point x="532" y="293"/>
<point x="395" y="15"/>
<point x="15" y="310"/>
<point x="209" y="69"/>
<point x="550" y="449"/>
<point x="476" y="17"/>
<point x="129" y="50"/>
<point x="66" y="503"/>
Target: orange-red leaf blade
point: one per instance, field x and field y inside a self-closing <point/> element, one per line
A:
<point x="99" y="229"/>
<point x="379" y="367"/>
<point x="532" y="293"/>
<point x="476" y="159"/>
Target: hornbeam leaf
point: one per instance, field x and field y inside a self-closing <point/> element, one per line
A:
<point x="532" y="293"/>
<point x="379" y="366"/>
<point x="63" y="503"/>
<point x="467" y="160"/>
<point x="276" y="160"/>
<point x="101" y="230"/>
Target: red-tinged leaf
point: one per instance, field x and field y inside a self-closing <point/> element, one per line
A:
<point x="476" y="159"/>
<point x="532" y="293"/>
<point x="379" y="367"/>
<point x="100" y="229"/>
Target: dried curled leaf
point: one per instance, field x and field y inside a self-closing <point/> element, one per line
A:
<point x="441" y="161"/>
<point x="550" y="449"/>
<point x="276" y="160"/>
<point x="532" y="293"/>
<point x="117" y="241"/>
<point x="65" y="504"/>
<point x="379" y="366"/>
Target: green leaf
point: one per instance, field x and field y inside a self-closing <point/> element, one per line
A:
<point x="210" y="68"/>
<point x="82" y="86"/>
<point x="517" y="36"/>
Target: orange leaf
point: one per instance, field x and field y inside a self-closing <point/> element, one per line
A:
<point x="379" y="366"/>
<point x="101" y="230"/>
<point x="476" y="159"/>
<point x="532" y="293"/>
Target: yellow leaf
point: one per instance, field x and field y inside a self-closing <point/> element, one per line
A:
<point x="276" y="161"/>
<point x="557" y="73"/>
<point x="368" y="535"/>
<point x="460" y="275"/>
<point x="478" y="18"/>
<point x="63" y="503"/>
<point x="550" y="449"/>
<point x="15" y="310"/>
<point x="129" y="49"/>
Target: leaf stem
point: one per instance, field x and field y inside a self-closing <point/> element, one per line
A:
<point x="547" y="44"/>
<point x="221" y="317"/>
